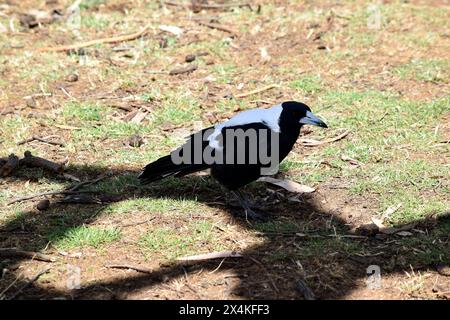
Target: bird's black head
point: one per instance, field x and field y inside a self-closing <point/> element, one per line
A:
<point x="300" y="113"/>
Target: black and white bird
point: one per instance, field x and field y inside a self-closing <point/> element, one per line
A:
<point x="239" y="158"/>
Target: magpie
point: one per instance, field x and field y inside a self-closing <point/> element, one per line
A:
<point x="240" y="150"/>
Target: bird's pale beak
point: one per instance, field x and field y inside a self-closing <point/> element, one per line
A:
<point x="311" y="119"/>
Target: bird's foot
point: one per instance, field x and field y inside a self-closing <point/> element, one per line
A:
<point x="249" y="208"/>
<point x="255" y="216"/>
<point x="253" y="206"/>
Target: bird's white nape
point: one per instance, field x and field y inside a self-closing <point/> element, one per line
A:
<point x="269" y="117"/>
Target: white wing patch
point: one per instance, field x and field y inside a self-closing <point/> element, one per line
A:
<point x="269" y="117"/>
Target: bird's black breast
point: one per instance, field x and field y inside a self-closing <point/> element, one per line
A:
<point x="237" y="174"/>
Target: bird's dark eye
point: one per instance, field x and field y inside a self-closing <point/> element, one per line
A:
<point x="295" y="113"/>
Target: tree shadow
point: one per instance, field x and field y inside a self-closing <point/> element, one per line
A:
<point x="313" y="252"/>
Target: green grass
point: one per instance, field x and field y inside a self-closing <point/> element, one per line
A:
<point x="168" y="206"/>
<point x="175" y="242"/>
<point x="278" y="227"/>
<point x="425" y="70"/>
<point x="359" y="85"/>
<point x="83" y="236"/>
<point x="76" y="112"/>
<point x="307" y="84"/>
<point x="380" y="123"/>
<point x="94" y="21"/>
<point x="89" y="4"/>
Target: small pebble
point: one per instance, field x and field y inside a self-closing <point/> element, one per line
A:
<point x="72" y="77"/>
<point x="443" y="270"/>
<point x="43" y="205"/>
<point x="189" y="58"/>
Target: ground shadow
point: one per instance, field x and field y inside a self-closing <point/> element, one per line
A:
<point x="330" y="265"/>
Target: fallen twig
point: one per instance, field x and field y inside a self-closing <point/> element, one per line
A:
<point x="136" y="223"/>
<point x="71" y="190"/>
<point x="128" y="266"/>
<point x="41" y="194"/>
<point x="304" y="235"/>
<point x="64" y="90"/>
<point x="245" y="94"/>
<point x="217" y="26"/>
<point x="314" y="143"/>
<point x="28" y="160"/>
<point x="70" y="177"/>
<point x="87" y="183"/>
<point x="288" y="185"/>
<point x="13" y="252"/>
<point x="128" y="37"/>
<point x="28" y="283"/>
<point x="349" y="236"/>
<point x="206" y="6"/>
<point x="210" y="256"/>
<point x="66" y="127"/>
<point x="35" y="138"/>
<point x="33" y="161"/>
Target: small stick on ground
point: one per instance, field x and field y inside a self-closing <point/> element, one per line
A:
<point x="206" y="6"/>
<point x="348" y="236"/>
<point x="32" y="161"/>
<point x="210" y="256"/>
<point x="245" y="94"/>
<point x="136" y="223"/>
<point x="314" y="143"/>
<point x="28" y="283"/>
<point x="218" y="27"/>
<point x="128" y="266"/>
<point x="124" y="38"/>
<point x="72" y="190"/>
<point x="43" y="194"/>
<point x="35" y="138"/>
<point x="13" y="252"/>
<point x="87" y="183"/>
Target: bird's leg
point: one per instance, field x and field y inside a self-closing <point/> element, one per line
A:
<point x="245" y="203"/>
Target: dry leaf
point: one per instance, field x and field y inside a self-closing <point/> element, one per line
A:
<point x="264" y="54"/>
<point x="378" y="223"/>
<point x="389" y="211"/>
<point x="139" y="117"/>
<point x="288" y="185"/>
<point x="172" y="29"/>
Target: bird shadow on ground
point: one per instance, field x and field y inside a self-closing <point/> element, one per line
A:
<point x="278" y="267"/>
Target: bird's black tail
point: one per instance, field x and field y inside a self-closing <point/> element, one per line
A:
<point x="164" y="167"/>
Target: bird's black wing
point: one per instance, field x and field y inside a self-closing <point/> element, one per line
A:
<point x="243" y="162"/>
<point x="166" y="166"/>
